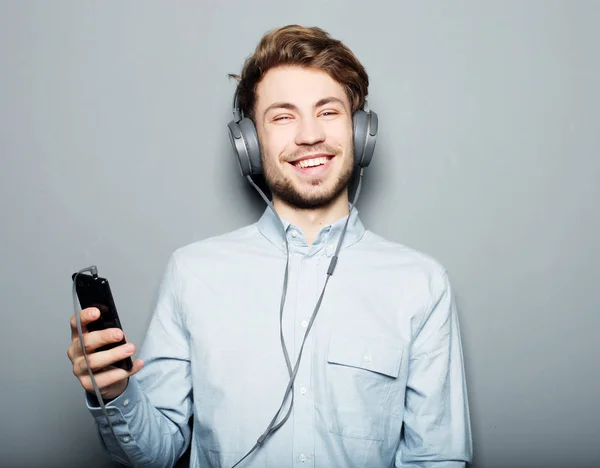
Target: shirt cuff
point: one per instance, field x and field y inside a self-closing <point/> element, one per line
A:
<point x="121" y="414"/>
<point x="121" y="406"/>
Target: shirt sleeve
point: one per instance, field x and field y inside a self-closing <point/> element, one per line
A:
<point x="151" y="418"/>
<point x="436" y="428"/>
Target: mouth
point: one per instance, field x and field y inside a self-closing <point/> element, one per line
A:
<point x="312" y="164"/>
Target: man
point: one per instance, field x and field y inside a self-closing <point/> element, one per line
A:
<point x="380" y="378"/>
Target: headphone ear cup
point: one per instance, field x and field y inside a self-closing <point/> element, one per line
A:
<point x="244" y="140"/>
<point x="239" y="147"/>
<point x="251" y="139"/>
<point x="365" y="135"/>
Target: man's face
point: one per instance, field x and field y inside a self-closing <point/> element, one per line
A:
<point x="304" y="124"/>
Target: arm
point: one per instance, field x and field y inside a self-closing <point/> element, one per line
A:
<point x="151" y="416"/>
<point x="437" y="430"/>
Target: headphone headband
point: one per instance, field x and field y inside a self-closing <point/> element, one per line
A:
<point x="238" y="114"/>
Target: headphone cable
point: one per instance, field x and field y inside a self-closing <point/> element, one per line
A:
<point x="271" y="428"/>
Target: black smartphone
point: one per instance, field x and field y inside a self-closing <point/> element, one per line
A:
<point x="94" y="291"/>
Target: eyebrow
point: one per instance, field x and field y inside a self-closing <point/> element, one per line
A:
<point x="290" y="106"/>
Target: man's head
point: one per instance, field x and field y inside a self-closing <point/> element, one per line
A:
<point x="301" y="88"/>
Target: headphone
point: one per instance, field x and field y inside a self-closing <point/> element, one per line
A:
<point x="244" y="138"/>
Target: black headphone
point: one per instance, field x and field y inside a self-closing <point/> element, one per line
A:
<point x="244" y="138"/>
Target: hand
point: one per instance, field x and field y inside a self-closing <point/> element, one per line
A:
<point x="111" y="380"/>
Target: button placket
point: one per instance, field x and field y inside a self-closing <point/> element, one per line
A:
<point x="304" y="431"/>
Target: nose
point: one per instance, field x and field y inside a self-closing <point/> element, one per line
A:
<point x="309" y="132"/>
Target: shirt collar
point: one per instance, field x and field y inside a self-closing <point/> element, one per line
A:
<point x="328" y="237"/>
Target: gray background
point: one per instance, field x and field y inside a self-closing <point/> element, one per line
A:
<point x="114" y="152"/>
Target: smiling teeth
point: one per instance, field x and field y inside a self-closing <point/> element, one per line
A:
<point x="312" y="162"/>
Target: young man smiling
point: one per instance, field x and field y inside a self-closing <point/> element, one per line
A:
<point x="380" y="379"/>
<point x="304" y="124"/>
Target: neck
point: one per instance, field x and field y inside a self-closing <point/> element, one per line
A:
<point x="311" y="221"/>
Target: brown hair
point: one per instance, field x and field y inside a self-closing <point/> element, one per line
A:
<point x="307" y="47"/>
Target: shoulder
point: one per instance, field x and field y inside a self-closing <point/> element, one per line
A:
<point x="405" y="265"/>
<point x="399" y="254"/>
<point x="217" y="250"/>
<point x="219" y="244"/>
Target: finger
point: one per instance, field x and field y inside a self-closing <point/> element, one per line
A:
<point x="94" y="340"/>
<point x="85" y="316"/>
<point x="103" y="359"/>
<point x="110" y="376"/>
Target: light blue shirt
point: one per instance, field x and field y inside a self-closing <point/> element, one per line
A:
<point x="381" y="381"/>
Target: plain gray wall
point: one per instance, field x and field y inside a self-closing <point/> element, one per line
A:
<point x="114" y="152"/>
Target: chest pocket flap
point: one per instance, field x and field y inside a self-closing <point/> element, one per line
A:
<point x="365" y="353"/>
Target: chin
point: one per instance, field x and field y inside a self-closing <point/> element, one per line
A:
<point x="310" y="196"/>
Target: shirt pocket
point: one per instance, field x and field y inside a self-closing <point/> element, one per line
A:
<point x="360" y="373"/>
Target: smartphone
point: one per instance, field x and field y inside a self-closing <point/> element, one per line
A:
<point x="94" y="291"/>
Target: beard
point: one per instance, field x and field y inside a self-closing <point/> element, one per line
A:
<point x="284" y="189"/>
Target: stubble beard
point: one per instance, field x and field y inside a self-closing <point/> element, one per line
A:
<point x="284" y="189"/>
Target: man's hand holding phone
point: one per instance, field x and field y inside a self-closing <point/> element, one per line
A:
<point x="111" y="380"/>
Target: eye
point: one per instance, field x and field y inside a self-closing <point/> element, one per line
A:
<point x="282" y="117"/>
<point x="329" y="113"/>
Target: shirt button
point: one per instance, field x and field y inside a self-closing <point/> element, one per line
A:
<point x="294" y="234"/>
<point x="111" y="412"/>
<point x="126" y="439"/>
<point x="367" y="358"/>
<point x="303" y="390"/>
<point x="302" y="457"/>
<point x="304" y="323"/>
<point x="125" y="403"/>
